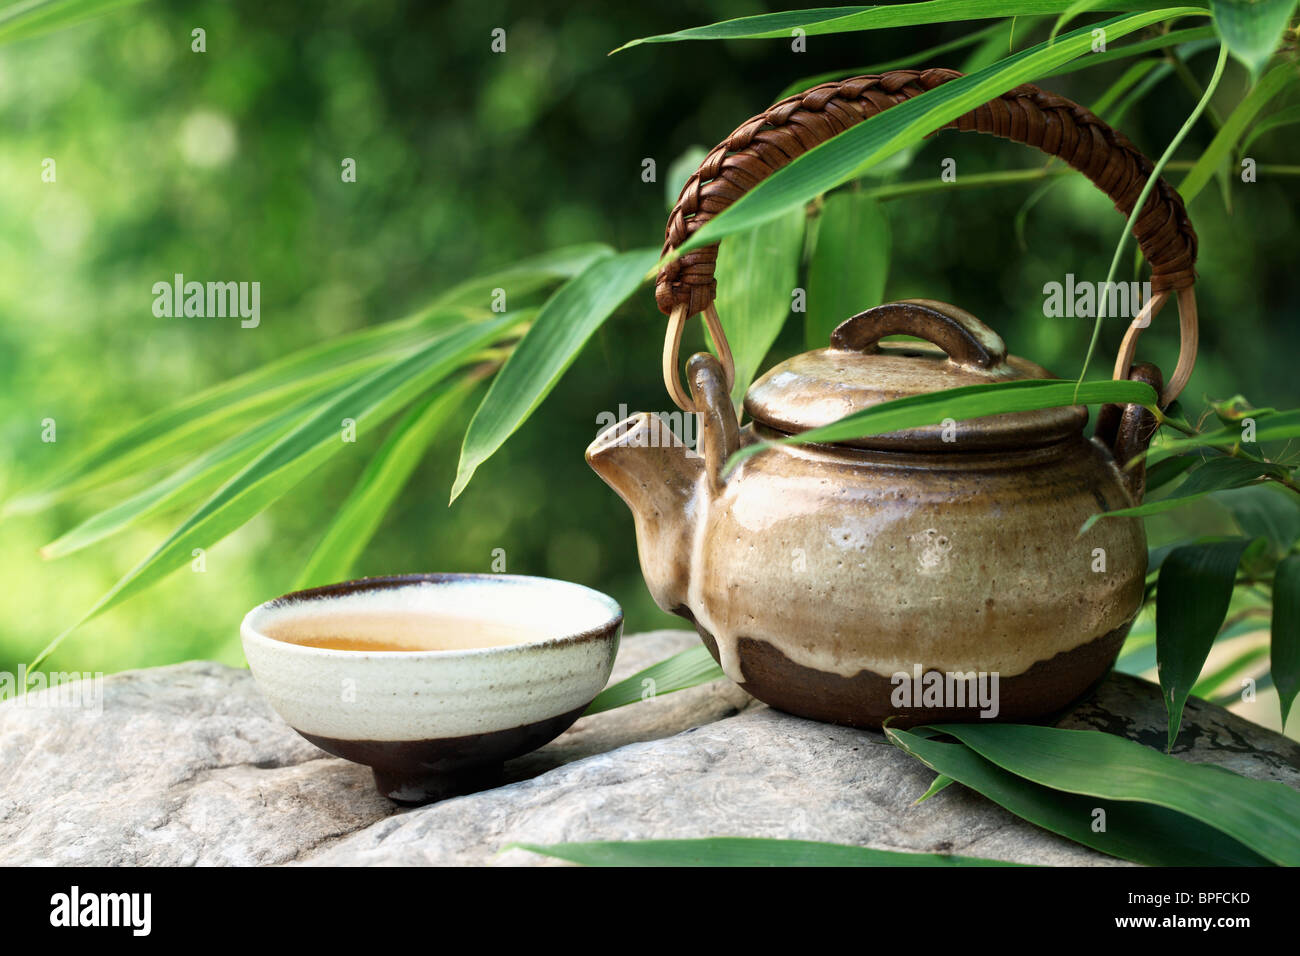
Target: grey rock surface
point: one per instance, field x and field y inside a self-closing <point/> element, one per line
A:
<point x="187" y="765"/>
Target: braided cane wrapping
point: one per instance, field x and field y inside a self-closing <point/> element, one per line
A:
<point x="1026" y="114"/>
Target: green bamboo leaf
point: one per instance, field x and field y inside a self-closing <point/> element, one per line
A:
<point x="969" y="401"/>
<point x="565" y="323"/>
<point x="741" y="851"/>
<point x="688" y="669"/>
<point x="1284" y="117"/>
<point x="1115" y="114"/>
<point x="757" y="273"/>
<point x="820" y="21"/>
<point x="286" y="462"/>
<point x="1239" y="665"/>
<point x="524" y="277"/>
<point x="1252" y="29"/>
<point x="1136" y="831"/>
<point x="1285" y="649"/>
<point x="313" y="370"/>
<point x="1127" y="80"/>
<point x="1235" y="410"/>
<point x="1075" y="10"/>
<point x="1266" y="511"/>
<point x="30" y="18"/>
<point x="849" y="265"/>
<point x="999" y="45"/>
<point x="1138" y="656"/>
<point x="1264" y="425"/>
<point x="939" y="784"/>
<point x="1263" y="816"/>
<point x="1183" y="39"/>
<point x="1163" y="472"/>
<point x="1217" y="474"/>
<point x="1233" y="696"/>
<point x="1234" y="127"/>
<point x="858" y="148"/>
<point x="198" y="476"/>
<point x="1156" y="556"/>
<point x="385" y="475"/>
<point x="1192" y="597"/>
<point x="922" y="59"/>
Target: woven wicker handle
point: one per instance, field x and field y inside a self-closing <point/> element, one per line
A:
<point x="1026" y="115"/>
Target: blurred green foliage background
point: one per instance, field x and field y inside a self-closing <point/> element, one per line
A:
<point x="225" y="165"/>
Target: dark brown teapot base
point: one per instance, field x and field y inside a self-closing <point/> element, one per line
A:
<point x="865" y="700"/>
<point x="414" y="772"/>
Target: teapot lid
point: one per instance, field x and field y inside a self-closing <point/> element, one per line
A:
<point x="859" y="371"/>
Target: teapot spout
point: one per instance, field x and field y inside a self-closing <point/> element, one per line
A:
<point x="658" y="477"/>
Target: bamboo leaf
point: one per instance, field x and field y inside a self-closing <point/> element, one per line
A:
<point x="1127" y="80"/>
<point x="1285" y="649"/>
<point x="1268" y="426"/>
<point x="1115" y="115"/>
<point x="999" y="45"/>
<point x="1234" y="696"/>
<point x="741" y="851"/>
<point x="385" y="475"/>
<point x="1261" y="815"/>
<point x="1192" y="597"/>
<point x="368" y="403"/>
<point x="1156" y="556"/>
<point x="313" y="370"/>
<point x="1234" y="127"/>
<point x="565" y="323"/>
<point x="1240" y="663"/>
<point x="1183" y="39"/>
<point x="858" y="148"/>
<point x="757" y="272"/>
<point x="970" y="401"/>
<point x="1217" y="474"/>
<point x="820" y="21"/>
<point x="1076" y="9"/>
<point x="30" y="18"/>
<point x="849" y="265"/>
<point x="1252" y="29"/>
<point x="1163" y="472"/>
<point x="207" y="471"/>
<point x="1284" y="117"/>
<point x="1136" y="831"/>
<point x="922" y="59"/>
<point x="1265" y="511"/>
<point x="940" y="783"/>
<point x="525" y="277"/>
<point x="688" y="669"/>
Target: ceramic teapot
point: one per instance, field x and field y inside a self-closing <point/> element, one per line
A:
<point x="936" y="573"/>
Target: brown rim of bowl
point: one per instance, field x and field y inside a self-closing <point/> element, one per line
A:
<point x="394" y="581"/>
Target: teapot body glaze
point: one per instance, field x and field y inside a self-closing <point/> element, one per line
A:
<point x="926" y="574"/>
<point x="922" y="578"/>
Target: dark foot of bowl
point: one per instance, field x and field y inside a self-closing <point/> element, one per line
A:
<point x="421" y="771"/>
<point x="412" y="790"/>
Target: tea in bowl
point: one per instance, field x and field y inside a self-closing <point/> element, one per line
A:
<point x="433" y="680"/>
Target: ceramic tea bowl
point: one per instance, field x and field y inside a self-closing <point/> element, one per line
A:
<point x="433" y="723"/>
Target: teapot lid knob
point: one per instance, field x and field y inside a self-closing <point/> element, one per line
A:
<point x="966" y="340"/>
